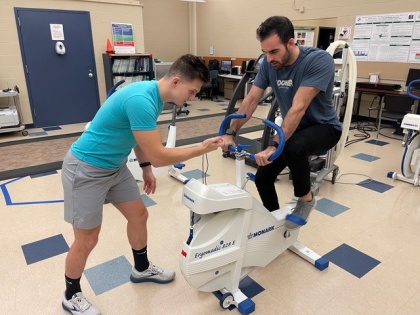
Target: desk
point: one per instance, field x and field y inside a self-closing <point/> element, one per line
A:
<point x="378" y="92"/>
<point x="230" y="81"/>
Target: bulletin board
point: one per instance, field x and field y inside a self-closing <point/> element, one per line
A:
<point x="391" y="37"/>
<point x="305" y="36"/>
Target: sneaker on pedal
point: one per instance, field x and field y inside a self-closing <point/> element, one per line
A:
<point x="152" y="274"/>
<point x="79" y="305"/>
<point x="300" y="214"/>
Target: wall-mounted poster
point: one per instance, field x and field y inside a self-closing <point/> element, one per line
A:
<point x="304" y="36"/>
<point x="387" y="37"/>
<point x="123" y="38"/>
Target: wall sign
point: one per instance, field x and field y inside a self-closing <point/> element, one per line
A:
<point x="123" y="38"/>
<point x="387" y="37"/>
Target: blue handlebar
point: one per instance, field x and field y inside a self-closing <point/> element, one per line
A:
<point x="416" y="97"/>
<point x="226" y="120"/>
<point x="114" y="87"/>
<point x="282" y="138"/>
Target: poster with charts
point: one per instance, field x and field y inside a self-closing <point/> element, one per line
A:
<point x="123" y="38"/>
<point x="393" y="37"/>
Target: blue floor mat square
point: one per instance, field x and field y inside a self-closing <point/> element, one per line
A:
<point x="46" y="248"/>
<point x="375" y="185"/>
<point x="148" y="202"/>
<point x="52" y="128"/>
<point x="196" y="174"/>
<point x="352" y="260"/>
<point x="109" y="275"/>
<point x="330" y="207"/>
<point x="248" y="287"/>
<point x="377" y="142"/>
<point x="366" y="157"/>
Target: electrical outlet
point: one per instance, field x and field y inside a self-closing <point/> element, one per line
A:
<point x="211" y="50"/>
<point x="302" y="9"/>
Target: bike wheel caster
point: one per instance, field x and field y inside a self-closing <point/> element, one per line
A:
<point x="226" y="300"/>
<point x="24" y="133"/>
<point x="286" y="234"/>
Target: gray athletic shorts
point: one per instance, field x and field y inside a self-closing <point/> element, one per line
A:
<point x="87" y="188"/>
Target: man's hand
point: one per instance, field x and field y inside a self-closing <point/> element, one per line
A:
<point x="149" y="180"/>
<point x="227" y="141"/>
<point x="261" y="158"/>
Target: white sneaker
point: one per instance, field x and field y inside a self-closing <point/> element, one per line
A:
<point x="78" y="305"/>
<point x="152" y="274"/>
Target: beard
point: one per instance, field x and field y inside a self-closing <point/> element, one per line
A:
<point x="278" y="64"/>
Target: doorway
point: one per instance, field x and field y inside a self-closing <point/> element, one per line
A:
<point x="59" y="65"/>
<point x="326" y="36"/>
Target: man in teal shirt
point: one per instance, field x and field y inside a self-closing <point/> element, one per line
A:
<point x="94" y="171"/>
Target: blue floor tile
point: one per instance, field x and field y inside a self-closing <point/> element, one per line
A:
<point x="377" y="142"/>
<point x="330" y="207"/>
<point x="46" y="248"/>
<point x="366" y="157"/>
<point x="248" y="287"/>
<point x="352" y="260"/>
<point x="196" y="174"/>
<point x="375" y="185"/>
<point x="148" y="202"/>
<point x="52" y="128"/>
<point x="109" y="275"/>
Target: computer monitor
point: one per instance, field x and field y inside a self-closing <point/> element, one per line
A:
<point x="413" y="74"/>
<point x="226" y="66"/>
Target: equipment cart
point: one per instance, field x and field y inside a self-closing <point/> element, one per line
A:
<point x="11" y="116"/>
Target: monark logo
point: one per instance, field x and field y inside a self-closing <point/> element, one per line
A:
<point x="263" y="231"/>
<point x="284" y="83"/>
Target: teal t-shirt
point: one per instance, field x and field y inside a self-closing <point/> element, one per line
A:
<point x="109" y="139"/>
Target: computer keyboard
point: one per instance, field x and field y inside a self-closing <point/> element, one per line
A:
<point x="378" y="86"/>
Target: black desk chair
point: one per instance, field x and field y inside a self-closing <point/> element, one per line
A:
<point x="211" y="87"/>
<point x="395" y="107"/>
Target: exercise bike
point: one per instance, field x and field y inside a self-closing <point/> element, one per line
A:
<point x="231" y="233"/>
<point x="410" y="163"/>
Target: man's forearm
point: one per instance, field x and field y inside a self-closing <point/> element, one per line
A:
<point x="247" y="107"/>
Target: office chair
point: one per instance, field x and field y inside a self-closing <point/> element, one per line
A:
<point x="213" y="85"/>
<point x="395" y="107"/>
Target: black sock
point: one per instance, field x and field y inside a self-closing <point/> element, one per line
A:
<point x="72" y="287"/>
<point x="141" y="262"/>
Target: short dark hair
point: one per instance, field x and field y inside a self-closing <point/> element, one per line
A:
<point x="279" y="25"/>
<point x="189" y="67"/>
